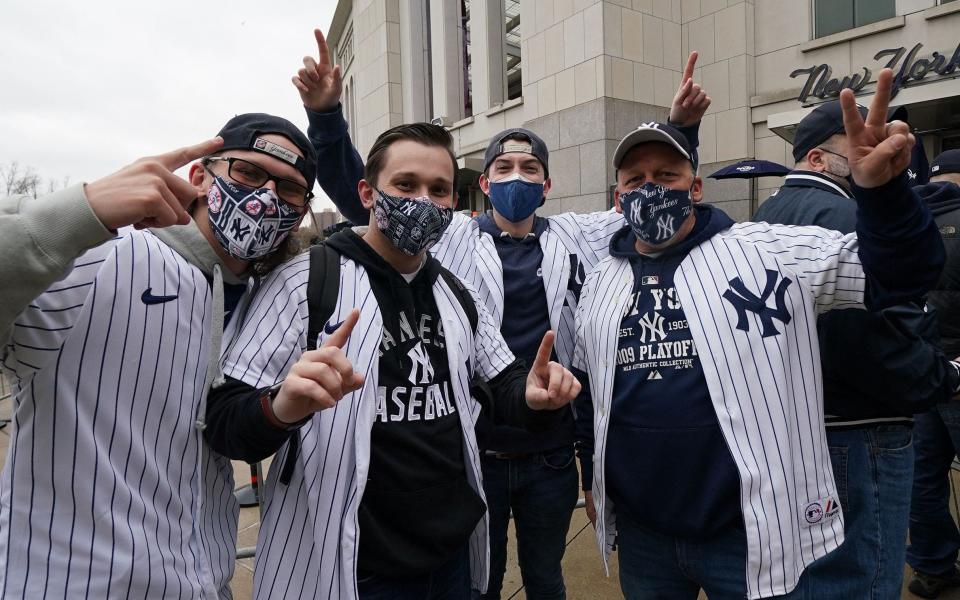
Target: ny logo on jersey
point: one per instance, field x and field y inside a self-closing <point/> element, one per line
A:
<point x="239" y="229"/>
<point x="744" y="300"/>
<point x="652" y="324"/>
<point x="577" y="275"/>
<point x="665" y="228"/>
<point x="421" y="370"/>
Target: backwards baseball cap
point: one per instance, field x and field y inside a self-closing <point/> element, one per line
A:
<point x="500" y="144"/>
<point x="947" y="162"/>
<point x="654" y="132"/>
<point x="244" y="132"/>
<point x="825" y="121"/>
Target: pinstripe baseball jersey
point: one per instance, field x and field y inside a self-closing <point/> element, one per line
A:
<point x="572" y="244"/>
<point x="109" y="490"/>
<point x="309" y="538"/>
<point x="751" y="295"/>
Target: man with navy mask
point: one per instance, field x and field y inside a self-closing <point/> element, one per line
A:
<point x="528" y="270"/>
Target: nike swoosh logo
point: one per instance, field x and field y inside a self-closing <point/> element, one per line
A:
<point x="149" y="298"/>
<point x="329" y="329"/>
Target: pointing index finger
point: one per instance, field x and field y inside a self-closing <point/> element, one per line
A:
<point x="339" y="337"/>
<point x="322" y="46"/>
<point x="543" y="354"/>
<point x="691" y="63"/>
<point x="184" y="156"/>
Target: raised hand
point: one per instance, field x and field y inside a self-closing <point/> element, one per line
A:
<point x="549" y="385"/>
<point x="691" y="101"/>
<point x="319" y="84"/>
<point x="147" y="193"/>
<point x="320" y="378"/>
<point x="878" y="151"/>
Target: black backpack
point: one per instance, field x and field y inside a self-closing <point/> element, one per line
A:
<point x="323" y="287"/>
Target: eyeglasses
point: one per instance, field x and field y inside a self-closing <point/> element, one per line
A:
<point x="253" y="175"/>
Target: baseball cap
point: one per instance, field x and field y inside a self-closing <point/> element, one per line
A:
<point x="243" y="132"/>
<point x="946" y="162"/>
<point x="817" y="127"/>
<point x="653" y="132"/>
<point x="499" y="144"/>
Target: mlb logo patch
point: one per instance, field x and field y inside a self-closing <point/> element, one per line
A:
<point x="649" y="280"/>
<point x="820" y="511"/>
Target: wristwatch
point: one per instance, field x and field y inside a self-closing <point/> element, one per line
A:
<point x="267" y="396"/>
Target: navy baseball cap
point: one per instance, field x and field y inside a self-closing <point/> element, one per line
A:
<point x="947" y="162"/>
<point x="500" y="144"/>
<point x="654" y="132"/>
<point x="817" y="127"/>
<point x="243" y="133"/>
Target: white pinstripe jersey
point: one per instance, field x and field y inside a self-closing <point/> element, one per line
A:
<point x="308" y="541"/>
<point x="767" y="391"/>
<point x="572" y="244"/>
<point x="108" y="490"/>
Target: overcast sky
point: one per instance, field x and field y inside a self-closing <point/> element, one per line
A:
<point x="87" y="87"/>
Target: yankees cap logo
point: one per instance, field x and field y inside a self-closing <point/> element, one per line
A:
<point x="148" y="298"/>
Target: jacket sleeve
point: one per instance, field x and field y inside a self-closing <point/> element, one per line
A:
<point x="40" y="239"/>
<point x="240" y="426"/>
<point x="339" y="166"/>
<point x="583" y="429"/>
<point x="899" y="244"/>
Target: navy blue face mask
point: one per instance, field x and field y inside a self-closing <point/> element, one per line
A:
<point x="655" y="212"/>
<point x="515" y="198"/>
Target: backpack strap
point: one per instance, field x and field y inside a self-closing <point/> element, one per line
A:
<point x="323" y="286"/>
<point x="463" y="296"/>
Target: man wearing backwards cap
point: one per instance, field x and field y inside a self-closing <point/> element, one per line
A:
<point x="528" y="270"/>
<point x="934" y="539"/>
<point x="702" y="425"/>
<point x="112" y="336"/>
<point x="879" y="368"/>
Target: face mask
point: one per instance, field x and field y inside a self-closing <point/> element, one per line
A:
<point x="515" y="198"/>
<point x="249" y="223"/>
<point x="655" y="212"/>
<point x="411" y="224"/>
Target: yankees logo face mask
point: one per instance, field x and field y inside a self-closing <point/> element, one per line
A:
<point x="249" y="223"/>
<point x="655" y="212"/>
<point x="411" y="224"/>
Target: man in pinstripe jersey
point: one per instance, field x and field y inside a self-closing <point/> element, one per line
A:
<point x="699" y="339"/>
<point x="111" y="338"/>
<point x="382" y="498"/>
<point x="516" y="259"/>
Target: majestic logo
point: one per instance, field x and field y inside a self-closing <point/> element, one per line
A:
<point x="654" y="375"/>
<point x="148" y="298"/>
<point x="744" y="300"/>
<point x="421" y="370"/>
<point x="665" y="227"/>
<point x="652" y="324"/>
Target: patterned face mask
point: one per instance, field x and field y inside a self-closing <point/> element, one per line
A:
<point x="249" y="223"/>
<point x="655" y="212"/>
<point x="411" y="224"/>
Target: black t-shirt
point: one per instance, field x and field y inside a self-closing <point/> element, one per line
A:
<point x="418" y="507"/>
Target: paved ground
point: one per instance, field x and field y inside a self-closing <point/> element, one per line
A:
<point x="582" y="569"/>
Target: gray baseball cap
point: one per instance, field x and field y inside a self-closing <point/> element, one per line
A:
<point x="500" y="144"/>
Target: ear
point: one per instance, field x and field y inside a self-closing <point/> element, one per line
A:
<point x="198" y="176"/>
<point x="484" y="184"/>
<point x="696" y="192"/>
<point x="296" y="227"/>
<point x="367" y="194"/>
<point x="547" y="184"/>
<point x="816" y="160"/>
<point x="616" y="201"/>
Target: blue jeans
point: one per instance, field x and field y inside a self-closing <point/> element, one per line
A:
<point x="934" y="539"/>
<point x="873" y="468"/>
<point x="449" y="582"/>
<point x="542" y="490"/>
<point x="660" y="567"/>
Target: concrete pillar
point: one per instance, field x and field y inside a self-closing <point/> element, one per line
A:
<point x="446" y="58"/>
<point x="415" y="60"/>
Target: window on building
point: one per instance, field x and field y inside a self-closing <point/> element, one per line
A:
<point x="832" y="16"/>
<point x="511" y="50"/>
<point x="465" y="44"/>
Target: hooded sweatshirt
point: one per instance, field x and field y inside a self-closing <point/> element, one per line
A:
<point x="687" y="485"/>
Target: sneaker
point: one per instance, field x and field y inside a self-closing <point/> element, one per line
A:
<point x="926" y="585"/>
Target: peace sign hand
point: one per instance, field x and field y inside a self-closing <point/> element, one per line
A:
<point x="691" y="101"/>
<point x="877" y="151"/>
<point x="319" y="84"/>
